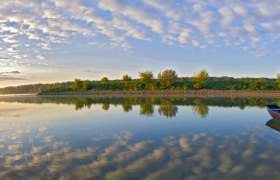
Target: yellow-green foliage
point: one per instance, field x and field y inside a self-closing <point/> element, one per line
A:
<point x="104" y="79"/>
<point x="167" y="78"/>
<point x="200" y="79"/>
<point x="146" y="78"/>
<point x="77" y="84"/>
<point x="126" y="78"/>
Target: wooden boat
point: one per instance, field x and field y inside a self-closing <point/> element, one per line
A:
<point x="274" y="111"/>
<point x="274" y="124"/>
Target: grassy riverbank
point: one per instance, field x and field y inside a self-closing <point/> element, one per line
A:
<point x="187" y="93"/>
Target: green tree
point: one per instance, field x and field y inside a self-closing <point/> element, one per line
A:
<point x="104" y="80"/>
<point x="77" y="84"/>
<point x="146" y="78"/>
<point x="86" y="85"/>
<point x="258" y="84"/>
<point x="167" y="78"/>
<point x="126" y="78"/>
<point x="200" y="79"/>
<point x="278" y="80"/>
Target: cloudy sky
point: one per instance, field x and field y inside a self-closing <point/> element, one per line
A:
<point x="59" y="40"/>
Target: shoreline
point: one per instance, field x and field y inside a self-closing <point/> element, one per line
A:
<point x="171" y="93"/>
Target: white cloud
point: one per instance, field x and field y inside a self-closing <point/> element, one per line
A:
<point x="169" y="8"/>
<point x="227" y="16"/>
<point x="31" y="28"/>
<point x="239" y="10"/>
<point x="138" y="13"/>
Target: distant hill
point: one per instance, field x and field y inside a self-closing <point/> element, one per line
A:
<point x="33" y="88"/>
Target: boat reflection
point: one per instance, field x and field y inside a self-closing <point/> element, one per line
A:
<point x="274" y="124"/>
<point x="274" y="111"/>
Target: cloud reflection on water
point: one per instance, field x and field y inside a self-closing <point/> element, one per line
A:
<point x="123" y="156"/>
<point x="31" y="150"/>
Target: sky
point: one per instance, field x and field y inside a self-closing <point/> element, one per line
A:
<point x="59" y="40"/>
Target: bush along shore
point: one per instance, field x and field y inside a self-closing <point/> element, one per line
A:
<point x="167" y="83"/>
<point x="176" y="93"/>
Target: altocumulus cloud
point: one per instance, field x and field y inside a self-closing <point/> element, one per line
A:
<point x="29" y="29"/>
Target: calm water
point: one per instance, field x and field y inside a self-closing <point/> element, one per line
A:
<point x="137" y="138"/>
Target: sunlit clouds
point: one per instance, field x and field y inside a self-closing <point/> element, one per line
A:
<point x="31" y="29"/>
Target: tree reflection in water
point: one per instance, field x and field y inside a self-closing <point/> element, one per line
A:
<point x="127" y="107"/>
<point x="147" y="108"/>
<point x="167" y="109"/>
<point x="105" y="106"/>
<point x="168" y="106"/>
<point x="200" y="108"/>
<point x="83" y="102"/>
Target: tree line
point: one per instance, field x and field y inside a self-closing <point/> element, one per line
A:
<point x="165" y="80"/>
<point x="169" y="80"/>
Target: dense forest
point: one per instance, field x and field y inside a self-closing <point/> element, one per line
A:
<point x="166" y="80"/>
